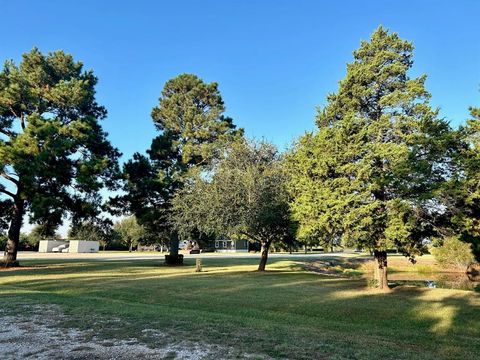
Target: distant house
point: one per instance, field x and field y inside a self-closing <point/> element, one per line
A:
<point x="227" y="245"/>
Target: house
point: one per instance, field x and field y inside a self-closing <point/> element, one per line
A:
<point x="228" y="245"/>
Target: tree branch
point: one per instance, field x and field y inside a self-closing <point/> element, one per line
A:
<point x="6" y="192"/>
<point x="21" y="116"/>
<point x="7" y="133"/>
<point x="13" y="111"/>
<point x="250" y="236"/>
<point x="22" y="121"/>
<point x="9" y="178"/>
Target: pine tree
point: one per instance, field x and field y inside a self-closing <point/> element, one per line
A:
<point x="368" y="177"/>
<point x="193" y="131"/>
<point x="54" y="155"/>
<point x="463" y="191"/>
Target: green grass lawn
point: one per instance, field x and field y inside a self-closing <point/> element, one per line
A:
<point x="286" y="312"/>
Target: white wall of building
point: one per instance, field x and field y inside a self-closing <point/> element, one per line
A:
<point x="47" y="245"/>
<point x="80" y="246"/>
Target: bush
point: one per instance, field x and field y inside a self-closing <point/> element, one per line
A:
<point x="3" y="241"/>
<point x="28" y="242"/>
<point x="454" y="253"/>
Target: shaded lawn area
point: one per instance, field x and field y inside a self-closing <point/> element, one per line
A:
<point x="285" y="313"/>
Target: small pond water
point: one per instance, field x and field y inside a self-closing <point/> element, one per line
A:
<point x="460" y="281"/>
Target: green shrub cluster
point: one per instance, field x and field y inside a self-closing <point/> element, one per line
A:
<point x="453" y="253"/>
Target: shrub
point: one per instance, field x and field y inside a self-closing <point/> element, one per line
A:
<point x="454" y="253"/>
<point x="3" y="241"/>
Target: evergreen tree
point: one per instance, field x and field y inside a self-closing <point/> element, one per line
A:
<point x="193" y="131"/>
<point x="369" y="176"/>
<point x="463" y="191"/>
<point x="54" y="155"/>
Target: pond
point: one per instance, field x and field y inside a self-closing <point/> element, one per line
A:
<point x="445" y="280"/>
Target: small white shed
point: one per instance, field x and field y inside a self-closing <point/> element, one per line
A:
<point x="46" y="246"/>
<point x="83" y="246"/>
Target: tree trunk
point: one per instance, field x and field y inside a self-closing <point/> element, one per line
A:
<point x="173" y="258"/>
<point x="381" y="269"/>
<point x="10" y="254"/>
<point x="174" y="245"/>
<point x="130" y="246"/>
<point x="264" y="257"/>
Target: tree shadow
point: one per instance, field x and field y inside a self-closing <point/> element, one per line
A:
<point x="282" y="313"/>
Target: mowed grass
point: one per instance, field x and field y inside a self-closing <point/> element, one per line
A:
<point x="286" y="312"/>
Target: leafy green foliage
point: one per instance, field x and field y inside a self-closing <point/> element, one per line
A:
<point x="453" y="253"/>
<point x="193" y="130"/>
<point x="463" y="190"/>
<point x="41" y="232"/>
<point x="129" y="231"/>
<point x="243" y="197"/>
<point x="54" y="155"/>
<point x="5" y="214"/>
<point x="30" y="242"/>
<point x="95" y="230"/>
<point x="370" y="174"/>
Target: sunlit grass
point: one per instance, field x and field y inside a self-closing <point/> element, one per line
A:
<point x="286" y="312"/>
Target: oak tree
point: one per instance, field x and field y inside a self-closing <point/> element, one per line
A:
<point x="242" y="197"/>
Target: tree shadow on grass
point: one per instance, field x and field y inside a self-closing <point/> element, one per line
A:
<point x="282" y="313"/>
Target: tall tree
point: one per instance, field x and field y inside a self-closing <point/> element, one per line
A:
<point x="463" y="191"/>
<point x="54" y="155"/>
<point x="369" y="176"/>
<point x="243" y="197"/>
<point x="193" y="130"/>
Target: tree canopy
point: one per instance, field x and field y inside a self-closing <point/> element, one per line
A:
<point x="193" y="130"/>
<point x="462" y="194"/>
<point x="129" y="231"/>
<point x="54" y="155"/>
<point x="244" y="196"/>
<point x="369" y="175"/>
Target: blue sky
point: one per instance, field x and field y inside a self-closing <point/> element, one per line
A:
<point x="275" y="61"/>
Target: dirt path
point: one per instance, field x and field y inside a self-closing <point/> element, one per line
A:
<point x="39" y="337"/>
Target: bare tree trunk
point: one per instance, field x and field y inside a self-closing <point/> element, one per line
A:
<point x="173" y="258"/>
<point x="130" y="246"/>
<point x="381" y="269"/>
<point x="174" y="245"/>
<point x="264" y="256"/>
<point x="10" y="254"/>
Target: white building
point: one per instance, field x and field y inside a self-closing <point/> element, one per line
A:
<point x="46" y="246"/>
<point x="81" y="246"/>
<point x="72" y="246"/>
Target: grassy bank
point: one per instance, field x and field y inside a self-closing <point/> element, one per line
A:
<point x="286" y="312"/>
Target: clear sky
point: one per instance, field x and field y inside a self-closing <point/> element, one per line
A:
<point x="275" y="60"/>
